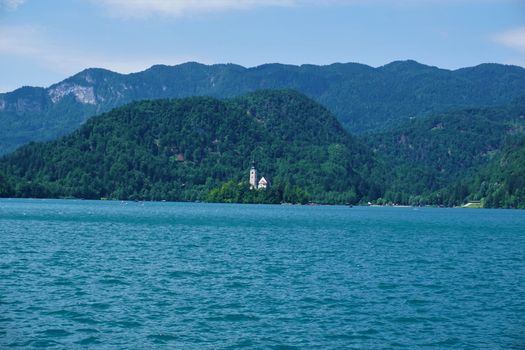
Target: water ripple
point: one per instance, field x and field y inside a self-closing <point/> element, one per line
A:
<point x="110" y="275"/>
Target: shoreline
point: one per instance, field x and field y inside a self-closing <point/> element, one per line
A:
<point x="349" y="206"/>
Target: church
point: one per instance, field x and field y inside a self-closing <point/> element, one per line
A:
<point x="254" y="184"/>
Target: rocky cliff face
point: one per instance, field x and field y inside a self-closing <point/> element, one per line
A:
<point x="83" y="94"/>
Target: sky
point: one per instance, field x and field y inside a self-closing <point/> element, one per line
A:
<point x="45" y="41"/>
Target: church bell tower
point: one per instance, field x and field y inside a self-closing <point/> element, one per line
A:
<point x="253" y="176"/>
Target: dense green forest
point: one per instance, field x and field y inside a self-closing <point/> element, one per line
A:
<point x="188" y="149"/>
<point x="201" y="149"/>
<point x="6" y="187"/>
<point x="363" y="98"/>
<point x="232" y="192"/>
<point x="428" y="154"/>
<point x="500" y="183"/>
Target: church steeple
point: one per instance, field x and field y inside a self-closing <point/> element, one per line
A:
<point x="253" y="176"/>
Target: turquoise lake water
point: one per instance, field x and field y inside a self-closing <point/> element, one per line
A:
<point x="116" y="275"/>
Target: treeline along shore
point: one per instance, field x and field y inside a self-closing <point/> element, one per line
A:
<point x="201" y="149"/>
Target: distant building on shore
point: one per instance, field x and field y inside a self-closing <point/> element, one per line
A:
<point x="254" y="184"/>
<point x="263" y="183"/>
<point x="253" y="177"/>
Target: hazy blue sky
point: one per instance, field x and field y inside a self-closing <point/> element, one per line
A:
<point x="42" y="42"/>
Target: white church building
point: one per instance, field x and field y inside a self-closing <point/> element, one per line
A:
<point x="254" y="184"/>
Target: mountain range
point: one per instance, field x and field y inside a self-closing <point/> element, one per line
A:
<point x="364" y="99"/>
<point x="403" y="133"/>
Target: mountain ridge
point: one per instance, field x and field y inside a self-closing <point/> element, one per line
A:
<point x="386" y="66"/>
<point x="362" y="97"/>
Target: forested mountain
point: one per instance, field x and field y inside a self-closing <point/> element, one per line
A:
<point x="501" y="183"/>
<point x="182" y="149"/>
<point x="427" y="154"/>
<point x="201" y="148"/>
<point x="363" y="98"/>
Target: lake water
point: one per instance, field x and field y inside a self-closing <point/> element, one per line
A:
<point x="112" y="275"/>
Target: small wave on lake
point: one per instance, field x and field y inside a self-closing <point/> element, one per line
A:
<point x="108" y="275"/>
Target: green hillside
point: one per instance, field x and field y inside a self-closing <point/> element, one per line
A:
<point x="182" y="149"/>
<point x="498" y="184"/>
<point x="502" y="183"/>
<point x="430" y="153"/>
<point x="363" y="98"/>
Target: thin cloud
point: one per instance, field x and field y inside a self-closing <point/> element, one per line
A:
<point x="178" y="8"/>
<point x="20" y="39"/>
<point x="10" y="5"/>
<point x="514" y="39"/>
<point x="33" y="43"/>
<point x="175" y="8"/>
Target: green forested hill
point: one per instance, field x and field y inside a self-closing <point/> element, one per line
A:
<point x="363" y="98"/>
<point x="181" y="149"/>
<point x="430" y="153"/>
<point x="502" y="182"/>
<point x="498" y="184"/>
<point x="201" y="148"/>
